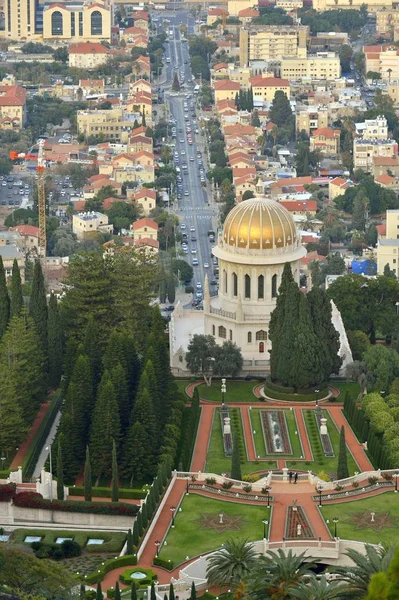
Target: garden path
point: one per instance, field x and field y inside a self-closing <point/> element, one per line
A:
<point x="351" y="440"/>
<point x="203" y="436"/>
<point x="24" y="447"/>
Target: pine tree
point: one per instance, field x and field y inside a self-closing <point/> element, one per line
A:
<point x="129" y="542"/>
<point x="306" y="363"/>
<point x="13" y="426"/>
<point x="342" y="470"/>
<point x="153" y="595"/>
<point x="327" y="335"/>
<point x="87" y="476"/>
<point x="70" y="355"/>
<point x="144" y="515"/>
<point x="139" y="522"/>
<point x="4" y="301"/>
<point x="115" y="478"/>
<point x="193" y="595"/>
<point x="38" y="304"/>
<point x="171" y="592"/>
<point x="60" y="472"/>
<point x="99" y="593"/>
<point x="117" y="593"/>
<point x="133" y="591"/>
<point x="105" y="427"/>
<point x="66" y="436"/>
<point x="135" y="534"/>
<point x="120" y="383"/>
<point x="17" y="301"/>
<point x="235" y="459"/>
<point x="54" y="342"/>
<point x="136" y="464"/>
<point x="91" y="348"/>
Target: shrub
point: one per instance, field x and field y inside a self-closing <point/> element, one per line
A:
<point x="250" y="478"/>
<point x="300" y="397"/>
<point x="247" y="488"/>
<point x="103" y="492"/>
<point x="46" y="551"/>
<point x="164" y="564"/>
<point x="109" y="565"/>
<point x="7" y="492"/>
<point x="338" y="488"/>
<point x="387" y="476"/>
<point x="126" y="577"/>
<point x="372" y="480"/>
<point x="70" y="548"/>
<point x="226" y="485"/>
<point x="210" y="480"/>
<point x="35" y="500"/>
<point x="58" y="554"/>
<point x="355" y="484"/>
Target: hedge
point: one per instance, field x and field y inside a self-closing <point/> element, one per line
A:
<point x="35" y="500"/>
<point x="40" y="437"/>
<point x="125" y="577"/>
<point x="7" y="492"/>
<point x="113" y="541"/>
<point x="295" y="397"/>
<point x="103" y="492"/>
<point x="128" y="560"/>
<point x="5" y="473"/>
<point x="164" y="564"/>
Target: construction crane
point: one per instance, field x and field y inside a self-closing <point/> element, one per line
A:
<point x="41" y="199"/>
<point x="224" y="15"/>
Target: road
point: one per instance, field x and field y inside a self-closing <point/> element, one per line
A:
<point x="194" y="210"/>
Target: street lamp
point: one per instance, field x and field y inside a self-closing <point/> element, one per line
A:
<point x="223" y="390"/>
<point x="396" y="475"/>
<point x="319" y="489"/>
<point x="173" y="509"/>
<point x="265" y="524"/>
<point x="335" y="521"/>
<point x="51" y="472"/>
<point x="3" y="458"/>
<point x="187" y="484"/>
<point x="157" y="543"/>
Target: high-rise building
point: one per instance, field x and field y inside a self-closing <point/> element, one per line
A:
<point x="265" y="42"/>
<point x="20" y="18"/>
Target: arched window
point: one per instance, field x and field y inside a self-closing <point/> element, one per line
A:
<point x="235" y="285"/>
<point x="274" y="286"/>
<point x="261" y="347"/>
<point x="225" y="281"/>
<point x="249" y="337"/>
<point x="222" y="332"/>
<point x="213" y="330"/>
<point x="247" y="286"/>
<point x="96" y="23"/>
<point x="261" y="287"/>
<point x="57" y="27"/>
<point x="231" y="335"/>
<point x="261" y="335"/>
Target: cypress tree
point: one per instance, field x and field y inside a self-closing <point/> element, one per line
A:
<point x="117" y="595"/>
<point x="135" y="462"/>
<point x="13" y="426"/>
<point x="153" y="595"/>
<point x="133" y="591"/>
<point x="82" y="591"/>
<point x="54" y="342"/>
<point x="105" y="427"/>
<point x="38" y="304"/>
<point x="277" y="318"/>
<point x="70" y="355"/>
<point x="17" y="301"/>
<point x="327" y="335"/>
<point x="87" y="476"/>
<point x="79" y="401"/>
<point x="60" y="472"/>
<point x="139" y="521"/>
<point x="171" y="287"/>
<point x="115" y="478"/>
<point x="155" y="490"/>
<point x="193" y="595"/>
<point x="235" y="459"/>
<point x="144" y="515"/>
<point x="66" y="436"/>
<point x="306" y="364"/>
<point x="4" y="301"/>
<point x="284" y="370"/>
<point x="121" y="387"/>
<point x="129" y="542"/>
<point x="135" y="534"/>
<point x="342" y="471"/>
<point x="171" y="592"/>
<point x="99" y="592"/>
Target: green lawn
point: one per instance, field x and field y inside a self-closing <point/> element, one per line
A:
<point x="260" y="448"/>
<point x="182" y="384"/>
<point x="188" y="538"/>
<point x="217" y="462"/>
<point x="352" y="387"/>
<point x="237" y="391"/>
<point x="385" y="505"/>
<point x="321" y="462"/>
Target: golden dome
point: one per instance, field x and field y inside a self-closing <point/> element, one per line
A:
<point x="259" y="224"/>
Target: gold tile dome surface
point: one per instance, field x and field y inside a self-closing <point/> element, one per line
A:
<point x="259" y="224"/>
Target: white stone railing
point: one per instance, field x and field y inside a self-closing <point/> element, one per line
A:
<point x="201" y="477"/>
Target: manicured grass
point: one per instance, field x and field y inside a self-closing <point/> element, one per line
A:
<point x="347" y="529"/>
<point x="260" y="447"/>
<point x="189" y="539"/>
<point x="217" y="462"/>
<point x="321" y="462"/>
<point x="113" y="541"/>
<point x="182" y="384"/>
<point x="237" y="391"/>
<point x="352" y="387"/>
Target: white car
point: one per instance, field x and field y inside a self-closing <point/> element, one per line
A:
<point x="193" y="251"/>
<point x="192" y="228"/>
<point x="206" y="265"/>
<point x="195" y="262"/>
<point x="199" y="286"/>
<point x="182" y="225"/>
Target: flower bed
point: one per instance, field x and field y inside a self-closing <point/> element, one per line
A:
<point x="325" y="437"/>
<point x="227" y="437"/>
<point x="223" y="492"/>
<point x="7" y="492"/>
<point x="35" y="500"/>
<point x="297" y="516"/>
<point x="275" y="432"/>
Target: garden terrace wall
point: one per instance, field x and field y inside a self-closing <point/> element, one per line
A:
<point x="11" y="514"/>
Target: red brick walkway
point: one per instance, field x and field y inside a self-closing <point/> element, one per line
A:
<point x="24" y="447"/>
<point x="351" y="440"/>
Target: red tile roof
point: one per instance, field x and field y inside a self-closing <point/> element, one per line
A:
<point x="146" y="222"/>
<point x="145" y="192"/>
<point x="26" y="230"/>
<point x="87" y="48"/>
<point x="306" y="205"/>
<point x="226" y="84"/>
<point x="259" y="81"/>
<point x="12" y="95"/>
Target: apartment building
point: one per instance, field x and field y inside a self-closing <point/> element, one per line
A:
<point x="86" y="55"/>
<point x="372" y="5"/>
<point x="77" y="20"/>
<point x="373" y="129"/>
<point x="114" y="124"/>
<point x="383" y="60"/>
<point x="365" y="150"/>
<point x="12" y="107"/>
<point x="388" y="247"/>
<point x="20" y="19"/>
<point x="386" y="21"/>
<point x="264" y="42"/>
<point x="323" y="65"/>
<point x="310" y="118"/>
<point x="265" y="88"/>
<point x="87" y="223"/>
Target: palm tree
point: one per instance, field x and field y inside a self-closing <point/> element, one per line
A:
<point x="365" y="565"/>
<point x="319" y="589"/>
<point x="230" y="564"/>
<point x="276" y="574"/>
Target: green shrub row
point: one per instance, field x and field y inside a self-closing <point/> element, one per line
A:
<point x="164" y="564"/>
<point x="129" y="560"/>
<point x="318" y="454"/>
<point x="236" y="427"/>
<point x="5" y="473"/>
<point x="103" y="492"/>
<point x="40" y="437"/>
<point x="113" y="541"/>
<point x="278" y="388"/>
<point x="35" y="500"/>
<point x="126" y="578"/>
<point x="295" y="397"/>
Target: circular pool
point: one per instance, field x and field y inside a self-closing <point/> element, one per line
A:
<point x="138" y="575"/>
